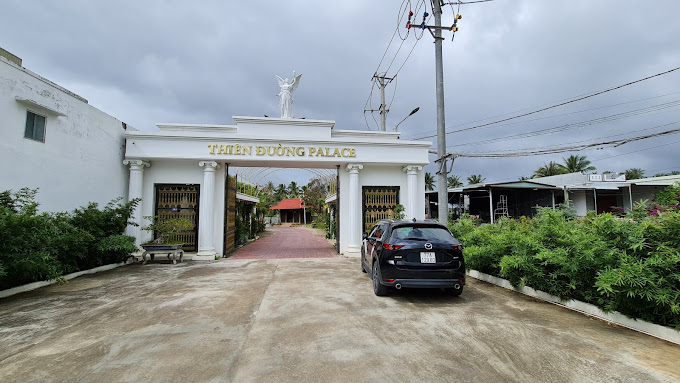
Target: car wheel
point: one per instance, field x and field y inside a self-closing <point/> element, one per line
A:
<point x="379" y="289"/>
<point x="454" y="292"/>
<point x="361" y="262"/>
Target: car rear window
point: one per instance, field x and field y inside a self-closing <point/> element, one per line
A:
<point x="420" y="233"/>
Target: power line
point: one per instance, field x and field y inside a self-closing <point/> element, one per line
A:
<point x="635" y="151"/>
<point x="379" y="76"/>
<point x="556" y="105"/>
<point x="467" y="2"/>
<point x="582" y="124"/>
<point x="561" y="114"/>
<point x="573" y="148"/>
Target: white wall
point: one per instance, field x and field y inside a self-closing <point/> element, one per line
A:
<point x="183" y="172"/>
<point x="578" y="199"/>
<point x="81" y="158"/>
<point x="376" y="175"/>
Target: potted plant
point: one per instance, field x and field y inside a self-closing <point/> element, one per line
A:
<point x="166" y="230"/>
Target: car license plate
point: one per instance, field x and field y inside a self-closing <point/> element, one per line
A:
<point x="427" y="257"/>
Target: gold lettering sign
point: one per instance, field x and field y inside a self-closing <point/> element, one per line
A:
<point x="281" y="151"/>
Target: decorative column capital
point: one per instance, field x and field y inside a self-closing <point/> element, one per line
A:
<point x="354" y="168"/>
<point x="209" y="165"/>
<point x="136" y="163"/>
<point x="412" y="169"/>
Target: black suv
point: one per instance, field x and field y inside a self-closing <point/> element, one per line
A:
<point x="414" y="253"/>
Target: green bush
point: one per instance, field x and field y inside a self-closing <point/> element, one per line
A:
<point x="630" y="265"/>
<point x="35" y="247"/>
<point x="26" y="254"/>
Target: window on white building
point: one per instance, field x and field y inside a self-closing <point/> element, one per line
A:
<point x="35" y="126"/>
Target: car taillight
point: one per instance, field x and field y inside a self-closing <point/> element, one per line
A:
<point x="457" y="247"/>
<point x="389" y="246"/>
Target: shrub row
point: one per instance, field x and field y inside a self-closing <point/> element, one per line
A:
<point x="36" y="247"/>
<point x="630" y="265"/>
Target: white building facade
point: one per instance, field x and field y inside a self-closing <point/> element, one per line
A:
<point x="53" y="140"/>
<point x="201" y="155"/>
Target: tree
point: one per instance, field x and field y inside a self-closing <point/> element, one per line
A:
<point x="453" y="182"/>
<point x="634" y="174"/>
<point x="281" y="192"/>
<point x="269" y="188"/>
<point x="577" y="164"/>
<point x="475" y="179"/>
<point x="293" y="190"/>
<point x="550" y="169"/>
<point x="673" y="173"/>
<point x="429" y="181"/>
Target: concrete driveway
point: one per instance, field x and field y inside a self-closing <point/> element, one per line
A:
<point x="305" y="320"/>
<point x="288" y="242"/>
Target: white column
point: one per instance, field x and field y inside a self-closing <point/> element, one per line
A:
<point x="135" y="191"/>
<point x="491" y="204"/>
<point x="206" y="227"/>
<point x="354" y="191"/>
<point x="412" y="186"/>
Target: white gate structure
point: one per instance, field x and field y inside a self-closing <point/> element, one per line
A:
<point x="199" y="154"/>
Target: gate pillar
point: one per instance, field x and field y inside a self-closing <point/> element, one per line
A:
<point x="135" y="191"/>
<point x="206" y="228"/>
<point x="412" y="185"/>
<point x="354" y="245"/>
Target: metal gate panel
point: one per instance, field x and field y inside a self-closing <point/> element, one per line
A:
<point x="179" y="201"/>
<point x="378" y="202"/>
<point x="230" y="214"/>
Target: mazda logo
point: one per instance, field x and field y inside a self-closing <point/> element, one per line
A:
<point x="428" y="246"/>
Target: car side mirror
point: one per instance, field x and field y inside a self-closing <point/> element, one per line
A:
<point x="364" y="235"/>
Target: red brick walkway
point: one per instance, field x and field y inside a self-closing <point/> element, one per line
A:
<point x="287" y="242"/>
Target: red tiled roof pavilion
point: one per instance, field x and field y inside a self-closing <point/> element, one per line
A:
<point x="288" y="204"/>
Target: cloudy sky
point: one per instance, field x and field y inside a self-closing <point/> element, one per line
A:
<point x="153" y="61"/>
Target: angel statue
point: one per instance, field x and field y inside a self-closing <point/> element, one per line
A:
<point x="287" y="88"/>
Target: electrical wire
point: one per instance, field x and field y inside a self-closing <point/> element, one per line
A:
<point x="582" y="124"/>
<point x="396" y="84"/>
<point x="572" y="148"/>
<point x="556" y="105"/>
<point x="598" y="138"/>
<point x="468" y="2"/>
<point x="562" y="114"/>
<point x="635" y="151"/>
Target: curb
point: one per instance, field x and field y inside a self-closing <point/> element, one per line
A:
<point x="639" y="325"/>
<point x="36" y="285"/>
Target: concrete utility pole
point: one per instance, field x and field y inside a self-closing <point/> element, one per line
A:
<point x="442" y="157"/>
<point x="383" y="108"/>
<point x="442" y="190"/>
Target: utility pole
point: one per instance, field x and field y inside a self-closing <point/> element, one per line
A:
<point x="442" y="157"/>
<point x="442" y="190"/>
<point x="383" y="108"/>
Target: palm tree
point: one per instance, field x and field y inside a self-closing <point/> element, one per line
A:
<point x="550" y="169"/>
<point x="577" y="164"/>
<point x="453" y="182"/>
<point x="269" y="188"/>
<point x="634" y="174"/>
<point x="429" y="181"/>
<point x="281" y="192"/>
<point x="475" y="179"/>
<point x="293" y="190"/>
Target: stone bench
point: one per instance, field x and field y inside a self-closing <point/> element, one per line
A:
<point x="174" y="252"/>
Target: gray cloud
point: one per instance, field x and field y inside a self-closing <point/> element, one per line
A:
<point x="174" y="61"/>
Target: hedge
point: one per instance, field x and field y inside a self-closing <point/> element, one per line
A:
<point x="628" y="264"/>
<point x="36" y="247"/>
